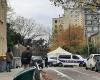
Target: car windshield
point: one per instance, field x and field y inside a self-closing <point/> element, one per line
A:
<point x="97" y="57"/>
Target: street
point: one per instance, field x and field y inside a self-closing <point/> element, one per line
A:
<point x="60" y="73"/>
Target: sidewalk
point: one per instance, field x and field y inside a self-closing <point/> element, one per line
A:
<point x="9" y="75"/>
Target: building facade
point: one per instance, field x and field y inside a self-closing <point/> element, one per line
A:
<point x="73" y="17"/>
<point x="92" y="22"/>
<point x="57" y="25"/>
<point x="95" y="39"/>
<point x="3" y="28"/>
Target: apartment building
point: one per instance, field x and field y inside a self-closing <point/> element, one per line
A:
<point x="92" y="22"/>
<point x="57" y="25"/>
<point x="3" y="30"/>
<point x="73" y="17"/>
<point x="95" y="39"/>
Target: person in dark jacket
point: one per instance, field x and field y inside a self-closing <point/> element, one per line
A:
<point x="9" y="58"/>
<point x="26" y="57"/>
<point x="46" y="61"/>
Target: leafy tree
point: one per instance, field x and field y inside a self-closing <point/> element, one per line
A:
<point x="13" y="37"/>
<point x="40" y="47"/>
<point x="72" y="36"/>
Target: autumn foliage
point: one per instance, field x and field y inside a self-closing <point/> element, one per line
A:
<point x="72" y="36"/>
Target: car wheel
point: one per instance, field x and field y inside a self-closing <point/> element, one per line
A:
<point x="60" y="64"/>
<point x="96" y="70"/>
<point x="84" y="65"/>
<point x="86" y="68"/>
<point x="80" y="65"/>
<point x="50" y="64"/>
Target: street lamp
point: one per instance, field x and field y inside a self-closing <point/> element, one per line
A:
<point x="87" y="41"/>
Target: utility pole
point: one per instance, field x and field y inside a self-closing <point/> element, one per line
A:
<point x="87" y="41"/>
<point x="69" y="37"/>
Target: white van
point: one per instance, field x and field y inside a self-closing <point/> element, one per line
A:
<point x="91" y="62"/>
<point x="71" y="60"/>
<point x="66" y="60"/>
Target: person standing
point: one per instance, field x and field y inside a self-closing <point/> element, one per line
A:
<point x="9" y="58"/>
<point x="46" y="61"/>
<point x="26" y="57"/>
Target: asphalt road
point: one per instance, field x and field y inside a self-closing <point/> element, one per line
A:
<point x="76" y="73"/>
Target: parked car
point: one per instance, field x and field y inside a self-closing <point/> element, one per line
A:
<point x="52" y="61"/>
<point x="93" y="62"/>
<point x="38" y="60"/>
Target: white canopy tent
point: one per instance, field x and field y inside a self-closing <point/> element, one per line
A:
<point x="57" y="52"/>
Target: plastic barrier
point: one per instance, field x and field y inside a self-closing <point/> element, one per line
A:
<point x="26" y="74"/>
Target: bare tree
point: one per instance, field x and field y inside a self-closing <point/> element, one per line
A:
<point x="77" y="3"/>
<point x="27" y="27"/>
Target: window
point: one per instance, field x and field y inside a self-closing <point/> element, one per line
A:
<point x="76" y="15"/>
<point x="76" y="11"/>
<point x="65" y="56"/>
<point x="95" y="22"/>
<point x="89" y="28"/>
<point x="53" y="58"/>
<point x="88" y="22"/>
<point x="96" y="57"/>
<point x="88" y="17"/>
<point x="55" y="21"/>
<point x="96" y="28"/>
<point x="75" y="57"/>
<point x="71" y="11"/>
<point x="94" y="16"/>
<point x="55" y="26"/>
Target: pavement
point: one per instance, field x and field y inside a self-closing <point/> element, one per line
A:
<point x="66" y="73"/>
<point x="9" y="75"/>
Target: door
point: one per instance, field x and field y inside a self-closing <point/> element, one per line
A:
<point x="76" y="59"/>
<point x="89" y="61"/>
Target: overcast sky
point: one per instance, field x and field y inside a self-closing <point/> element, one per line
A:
<point x="41" y="10"/>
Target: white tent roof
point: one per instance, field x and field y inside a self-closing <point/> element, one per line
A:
<point x="58" y="51"/>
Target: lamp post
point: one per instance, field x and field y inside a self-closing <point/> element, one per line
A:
<point x="87" y="41"/>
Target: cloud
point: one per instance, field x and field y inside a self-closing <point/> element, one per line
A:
<point x="41" y="10"/>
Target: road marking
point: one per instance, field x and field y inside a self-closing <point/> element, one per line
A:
<point x="81" y="72"/>
<point x="62" y="74"/>
<point x="76" y="70"/>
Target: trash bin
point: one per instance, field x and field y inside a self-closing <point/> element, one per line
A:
<point x="2" y="65"/>
<point x="26" y="74"/>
